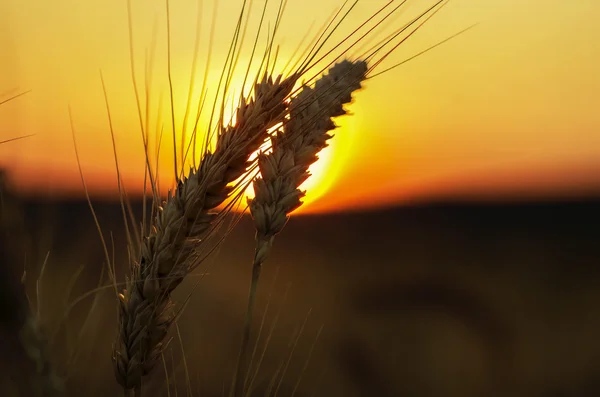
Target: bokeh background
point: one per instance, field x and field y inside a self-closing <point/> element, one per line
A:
<point x="449" y="245"/>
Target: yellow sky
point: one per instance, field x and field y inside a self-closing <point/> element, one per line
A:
<point x="508" y="108"/>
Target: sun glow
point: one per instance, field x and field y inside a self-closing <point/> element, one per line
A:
<point x="322" y="172"/>
<point x="467" y="118"/>
<point x="318" y="182"/>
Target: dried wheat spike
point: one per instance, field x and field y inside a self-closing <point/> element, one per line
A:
<point x="30" y="369"/>
<point x="146" y="311"/>
<point x="296" y="147"/>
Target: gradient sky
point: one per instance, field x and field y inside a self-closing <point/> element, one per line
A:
<point x="509" y="109"/>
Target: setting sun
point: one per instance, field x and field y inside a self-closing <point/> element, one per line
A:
<point x="192" y="129"/>
<point x="319" y="181"/>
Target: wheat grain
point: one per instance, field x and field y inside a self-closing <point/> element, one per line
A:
<point x="294" y="148"/>
<point x="146" y="311"/>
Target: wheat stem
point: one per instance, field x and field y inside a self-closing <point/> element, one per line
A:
<point x="242" y="366"/>
<point x="286" y="168"/>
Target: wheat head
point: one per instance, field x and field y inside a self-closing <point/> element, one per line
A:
<point x="146" y="311"/>
<point x="277" y="191"/>
<point x="296" y="147"/>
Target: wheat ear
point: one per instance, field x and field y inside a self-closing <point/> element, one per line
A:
<point x="146" y="311"/>
<point x="285" y="168"/>
<point x="20" y="325"/>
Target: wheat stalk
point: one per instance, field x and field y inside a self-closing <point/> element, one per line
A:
<point x="20" y="325"/>
<point x="294" y="148"/>
<point x="146" y="311"/>
<point x="168" y="252"/>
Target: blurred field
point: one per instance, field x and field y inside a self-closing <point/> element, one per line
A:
<point x="438" y="300"/>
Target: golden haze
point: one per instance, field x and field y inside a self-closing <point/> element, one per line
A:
<point x="509" y="109"/>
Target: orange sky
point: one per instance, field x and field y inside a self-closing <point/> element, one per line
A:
<point x="509" y="109"/>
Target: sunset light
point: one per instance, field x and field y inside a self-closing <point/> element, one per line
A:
<point x="496" y="112"/>
<point x="299" y="197"/>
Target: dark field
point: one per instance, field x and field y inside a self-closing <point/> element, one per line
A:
<point x="439" y="300"/>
